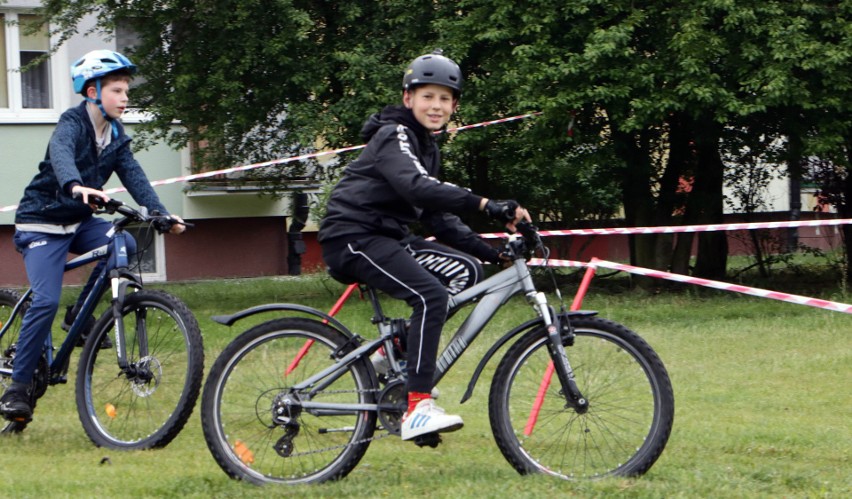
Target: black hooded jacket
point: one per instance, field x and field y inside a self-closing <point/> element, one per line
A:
<point x="393" y="183"/>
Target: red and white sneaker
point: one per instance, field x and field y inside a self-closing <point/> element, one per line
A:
<point x="428" y="418"/>
<point x="381" y="364"/>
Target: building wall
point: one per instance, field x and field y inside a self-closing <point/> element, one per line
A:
<point x="212" y="249"/>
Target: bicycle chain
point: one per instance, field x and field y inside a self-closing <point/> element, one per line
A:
<point x="348" y="444"/>
<point x="326" y="449"/>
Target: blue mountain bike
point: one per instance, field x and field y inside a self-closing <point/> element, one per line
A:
<point x="139" y="391"/>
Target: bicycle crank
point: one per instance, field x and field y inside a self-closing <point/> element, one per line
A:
<point x="393" y="401"/>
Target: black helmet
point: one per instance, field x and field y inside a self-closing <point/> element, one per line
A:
<point x="433" y="68"/>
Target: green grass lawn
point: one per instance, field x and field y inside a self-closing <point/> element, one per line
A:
<point x="763" y="409"/>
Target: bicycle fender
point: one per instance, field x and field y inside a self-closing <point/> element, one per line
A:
<point x="505" y="339"/>
<point x="229" y="320"/>
<point x="130" y="276"/>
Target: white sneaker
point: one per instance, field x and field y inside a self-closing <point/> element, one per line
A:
<point x="428" y="418"/>
<point x="382" y="366"/>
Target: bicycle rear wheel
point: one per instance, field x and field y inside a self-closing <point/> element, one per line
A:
<point x="630" y="413"/>
<point x="146" y="405"/>
<point x="252" y="422"/>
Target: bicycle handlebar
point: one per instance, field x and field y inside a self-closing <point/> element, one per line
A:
<point x="161" y="223"/>
<point x="529" y="242"/>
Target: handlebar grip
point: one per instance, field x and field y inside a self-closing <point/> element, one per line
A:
<point x="164" y="224"/>
<point x="109" y="206"/>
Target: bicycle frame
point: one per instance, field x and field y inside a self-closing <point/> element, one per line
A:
<point x="491" y="294"/>
<point x="120" y="279"/>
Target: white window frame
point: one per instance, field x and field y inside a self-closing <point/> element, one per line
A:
<point x="58" y="66"/>
<point x="158" y="246"/>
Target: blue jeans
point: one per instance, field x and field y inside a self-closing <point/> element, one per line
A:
<point x="44" y="257"/>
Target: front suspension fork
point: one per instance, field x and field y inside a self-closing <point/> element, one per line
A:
<point x="120" y="285"/>
<point x="559" y="359"/>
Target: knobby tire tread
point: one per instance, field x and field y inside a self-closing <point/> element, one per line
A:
<point x="195" y="360"/>
<point x="224" y="365"/>
<point x="504" y="434"/>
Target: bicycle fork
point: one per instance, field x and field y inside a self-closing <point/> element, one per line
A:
<point x="119" y="285"/>
<point x="559" y="359"/>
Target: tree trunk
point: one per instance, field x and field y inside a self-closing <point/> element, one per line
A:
<point x="794" y="172"/>
<point x="712" y="258"/>
<point x="681" y="164"/>
<point x="637" y="199"/>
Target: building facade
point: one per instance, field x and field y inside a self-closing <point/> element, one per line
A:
<point x="236" y="233"/>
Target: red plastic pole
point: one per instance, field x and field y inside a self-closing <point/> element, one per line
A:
<point x="307" y="346"/>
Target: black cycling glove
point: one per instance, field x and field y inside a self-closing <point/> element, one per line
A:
<point x="502" y="211"/>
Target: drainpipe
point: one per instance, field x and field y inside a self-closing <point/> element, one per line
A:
<point x="295" y="243"/>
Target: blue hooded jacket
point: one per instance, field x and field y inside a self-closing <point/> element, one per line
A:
<point x="72" y="157"/>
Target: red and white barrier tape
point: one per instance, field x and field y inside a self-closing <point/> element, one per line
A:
<point x="685" y="228"/>
<point x="736" y="288"/>
<point x="196" y="176"/>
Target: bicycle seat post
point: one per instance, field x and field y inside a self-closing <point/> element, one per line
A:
<point x="378" y="314"/>
<point x="391" y="331"/>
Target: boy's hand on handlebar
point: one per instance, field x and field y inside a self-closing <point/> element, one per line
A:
<point x="89" y="195"/>
<point x="507" y="211"/>
<point x="178" y="227"/>
<point x="521" y="215"/>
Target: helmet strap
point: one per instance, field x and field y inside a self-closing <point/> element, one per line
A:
<point x="100" y="105"/>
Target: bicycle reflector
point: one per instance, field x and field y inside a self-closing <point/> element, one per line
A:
<point x="244" y="453"/>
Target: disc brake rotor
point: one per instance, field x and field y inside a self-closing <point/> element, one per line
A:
<point x="147" y="379"/>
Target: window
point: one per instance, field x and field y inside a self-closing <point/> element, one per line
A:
<point x="4" y="79"/>
<point x="153" y="254"/>
<point x="127" y="39"/>
<point x="35" y="82"/>
<point x="29" y="95"/>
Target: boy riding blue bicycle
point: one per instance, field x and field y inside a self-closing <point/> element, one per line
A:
<point x="55" y="215"/>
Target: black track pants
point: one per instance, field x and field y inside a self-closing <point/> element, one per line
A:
<point x="424" y="274"/>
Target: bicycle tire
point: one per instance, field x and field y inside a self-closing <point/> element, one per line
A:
<point x="242" y="388"/>
<point x="146" y="409"/>
<point x="8" y="300"/>
<point x="630" y="413"/>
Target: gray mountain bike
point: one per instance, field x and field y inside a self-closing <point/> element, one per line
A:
<point x="296" y="399"/>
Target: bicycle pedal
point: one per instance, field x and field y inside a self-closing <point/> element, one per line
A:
<point x="18" y="419"/>
<point x="428" y="439"/>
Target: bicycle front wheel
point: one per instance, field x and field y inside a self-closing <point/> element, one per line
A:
<point x="146" y="404"/>
<point x="630" y="411"/>
<point x="253" y="422"/>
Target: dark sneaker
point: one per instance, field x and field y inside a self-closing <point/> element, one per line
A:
<point x="70" y="315"/>
<point x="105" y="343"/>
<point x="15" y="403"/>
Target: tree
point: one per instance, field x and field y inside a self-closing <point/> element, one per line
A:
<point x="658" y="92"/>
<point x="251" y="80"/>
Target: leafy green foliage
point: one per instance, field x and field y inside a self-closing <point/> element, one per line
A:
<point x="653" y="89"/>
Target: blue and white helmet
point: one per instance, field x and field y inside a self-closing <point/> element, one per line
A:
<point x="97" y="64"/>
